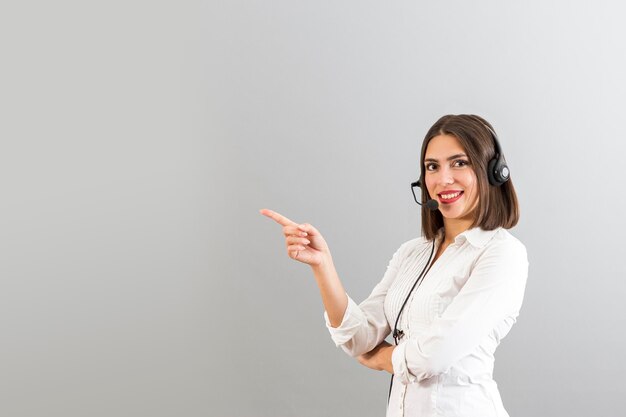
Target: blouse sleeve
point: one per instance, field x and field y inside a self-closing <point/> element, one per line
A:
<point x="364" y="326"/>
<point x="492" y="294"/>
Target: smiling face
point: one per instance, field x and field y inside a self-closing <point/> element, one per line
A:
<point x="450" y="179"/>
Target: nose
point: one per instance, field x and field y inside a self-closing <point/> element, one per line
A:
<point x="445" y="176"/>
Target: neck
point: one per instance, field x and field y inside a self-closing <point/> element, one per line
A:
<point x="454" y="227"/>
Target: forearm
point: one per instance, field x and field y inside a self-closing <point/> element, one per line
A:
<point x="333" y="294"/>
<point x="379" y="358"/>
<point x="387" y="363"/>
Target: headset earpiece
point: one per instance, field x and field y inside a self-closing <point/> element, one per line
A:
<point x="497" y="169"/>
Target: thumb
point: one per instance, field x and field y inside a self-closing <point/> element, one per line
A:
<point x="306" y="227"/>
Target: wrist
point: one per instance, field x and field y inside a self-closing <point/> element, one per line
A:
<point x="389" y="362"/>
<point x="325" y="264"/>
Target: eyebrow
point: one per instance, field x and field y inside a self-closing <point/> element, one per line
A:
<point x="458" y="155"/>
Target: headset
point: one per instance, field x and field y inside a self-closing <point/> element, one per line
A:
<point x="497" y="169"/>
<point x="498" y="173"/>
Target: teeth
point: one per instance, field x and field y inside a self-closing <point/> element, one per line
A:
<point x="449" y="196"/>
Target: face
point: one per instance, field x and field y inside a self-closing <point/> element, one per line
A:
<point x="448" y="172"/>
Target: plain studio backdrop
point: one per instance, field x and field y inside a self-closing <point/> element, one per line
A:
<point x="140" y="140"/>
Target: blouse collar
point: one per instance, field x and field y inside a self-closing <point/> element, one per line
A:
<point x="476" y="236"/>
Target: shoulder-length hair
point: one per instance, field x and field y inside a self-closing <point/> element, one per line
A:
<point x="497" y="206"/>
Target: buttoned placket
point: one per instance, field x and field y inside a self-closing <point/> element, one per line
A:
<point x="404" y="324"/>
<point x="402" y="399"/>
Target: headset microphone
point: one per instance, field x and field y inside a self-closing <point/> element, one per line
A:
<point x="430" y="204"/>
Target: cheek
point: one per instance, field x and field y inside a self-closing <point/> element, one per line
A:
<point x="430" y="186"/>
<point x="472" y="198"/>
<point x="473" y="191"/>
<point x="470" y="183"/>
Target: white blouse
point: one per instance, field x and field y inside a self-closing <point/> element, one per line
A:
<point x="452" y="323"/>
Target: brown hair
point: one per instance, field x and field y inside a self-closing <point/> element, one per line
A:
<point x="497" y="206"/>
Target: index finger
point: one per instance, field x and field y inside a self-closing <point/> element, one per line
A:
<point x="278" y="218"/>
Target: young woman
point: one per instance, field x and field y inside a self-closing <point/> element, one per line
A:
<point x="447" y="297"/>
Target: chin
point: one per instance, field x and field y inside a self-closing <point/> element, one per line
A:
<point x="449" y="215"/>
<point x="455" y="215"/>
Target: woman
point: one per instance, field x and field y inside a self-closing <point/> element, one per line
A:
<point x="447" y="313"/>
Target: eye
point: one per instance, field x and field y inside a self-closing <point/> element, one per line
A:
<point x="431" y="166"/>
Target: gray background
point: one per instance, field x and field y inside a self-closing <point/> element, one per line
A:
<point x="140" y="139"/>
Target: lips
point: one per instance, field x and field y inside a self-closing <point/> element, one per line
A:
<point x="455" y="193"/>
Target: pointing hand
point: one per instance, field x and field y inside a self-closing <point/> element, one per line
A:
<point x="304" y="242"/>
